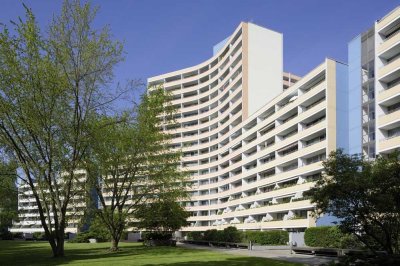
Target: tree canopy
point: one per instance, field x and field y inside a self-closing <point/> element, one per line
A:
<point x="364" y="195"/>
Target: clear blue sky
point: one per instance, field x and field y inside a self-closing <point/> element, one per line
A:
<point x="166" y="35"/>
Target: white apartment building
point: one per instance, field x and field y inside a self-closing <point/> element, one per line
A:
<point x="253" y="137"/>
<point x="28" y="212"/>
<point x="252" y="141"/>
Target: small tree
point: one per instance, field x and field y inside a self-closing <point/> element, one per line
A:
<point x="132" y="164"/>
<point x="162" y="216"/>
<point x="365" y="196"/>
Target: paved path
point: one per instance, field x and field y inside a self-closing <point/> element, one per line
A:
<point x="272" y="254"/>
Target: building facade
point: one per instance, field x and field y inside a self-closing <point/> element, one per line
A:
<point x="253" y="139"/>
<point x="374" y="85"/>
<point x="28" y="213"/>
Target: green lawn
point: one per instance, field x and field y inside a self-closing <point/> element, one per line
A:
<point x="39" y="253"/>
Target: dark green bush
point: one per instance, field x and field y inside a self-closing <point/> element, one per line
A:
<point x="273" y="237"/>
<point x="196" y="235"/>
<point x="39" y="236"/>
<point x="82" y="237"/>
<point x="156" y="236"/>
<point x="211" y="235"/>
<point x="17" y="235"/>
<point x="6" y="235"/>
<point x="323" y="236"/>
<point x="231" y="234"/>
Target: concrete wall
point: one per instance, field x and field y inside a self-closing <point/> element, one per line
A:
<point x="265" y="66"/>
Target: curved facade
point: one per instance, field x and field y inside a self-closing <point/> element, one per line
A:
<point x="252" y="141"/>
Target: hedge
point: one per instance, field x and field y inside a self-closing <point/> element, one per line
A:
<point x="323" y="236"/>
<point x="231" y="234"/>
<point x="274" y="237"/>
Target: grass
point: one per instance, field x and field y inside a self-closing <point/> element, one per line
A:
<point x="39" y="253"/>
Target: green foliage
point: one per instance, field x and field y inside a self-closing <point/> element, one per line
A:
<point x="132" y="161"/>
<point x="6" y="235"/>
<point x="211" y="235"/>
<point x="156" y="236"/>
<point x="229" y="234"/>
<point x="162" y="215"/>
<point x="195" y="235"/>
<point x="274" y="237"/>
<point x="82" y="237"/>
<point x="39" y="236"/>
<point x="330" y="237"/>
<point x="99" y="231"/>
<point x="8" y="195"/>
<point x="52" y="86"/>
<point x="365" y="196"/>
<point x="323" y="236"/>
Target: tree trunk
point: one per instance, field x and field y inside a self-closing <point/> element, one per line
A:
<point x="60" y="245"/>
<point x="114" y="244"/>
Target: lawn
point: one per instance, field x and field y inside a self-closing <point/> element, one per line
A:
<point x="39" y="253"/>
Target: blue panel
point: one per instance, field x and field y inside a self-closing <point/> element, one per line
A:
<point x="354" y="96"/>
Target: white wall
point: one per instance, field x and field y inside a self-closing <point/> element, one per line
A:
<point x="265" y="61"/>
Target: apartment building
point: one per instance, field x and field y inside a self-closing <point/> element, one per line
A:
<point x="28" y="213"/>
<point x="252" y="136"/>
<point x="374" y="85"/>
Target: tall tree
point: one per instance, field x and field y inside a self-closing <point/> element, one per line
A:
<point x="365" y="196"/>
<point x="131" y="163"/>
<point x="51" y="88"/>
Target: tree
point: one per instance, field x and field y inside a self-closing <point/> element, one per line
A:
<point x="162" y="216"/>
<point x="131" y="162"/>
<point x="51" y="89"/>
<point x="8" y="195"/>
<point x="364" y="195"/>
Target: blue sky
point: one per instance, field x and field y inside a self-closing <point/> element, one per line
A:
<point x="162" y="36"/>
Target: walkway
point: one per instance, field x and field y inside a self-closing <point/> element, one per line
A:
<point x="272" y="254"/>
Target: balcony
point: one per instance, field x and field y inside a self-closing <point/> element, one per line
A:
<point x="387" y="119"/>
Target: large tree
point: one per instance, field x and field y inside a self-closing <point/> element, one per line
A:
<point x="131" y="162"/>
<point x="365" y="196"/>
<point x="52" y="87"/>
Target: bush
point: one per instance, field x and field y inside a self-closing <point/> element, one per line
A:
<point x="211" y="235"/>
<point x="196" y="235"/>
<point x="17" y="235"/>
<point x="81" y="238"/>
<point x="6" y="235"/>
<point x="274" y="237"/>
<point x="323" y="236"/>
<point x="39" y="236"/>
<point x="156" y="236"/>
<point x="231" y="234"/>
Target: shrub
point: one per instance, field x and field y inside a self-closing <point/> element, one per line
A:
<point x="195" y="236"/>
<point x="39" y="236"/>
<point x="81" y="238"/>
<point x="211" y="235"/>
<point x="17" y="235"/>
<point x="274" y="237"/>
<point x="6" y="235"/>
<point x="156" y="236"/>
<point x="323" y="236"/>
<point x="231" y="234"/>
